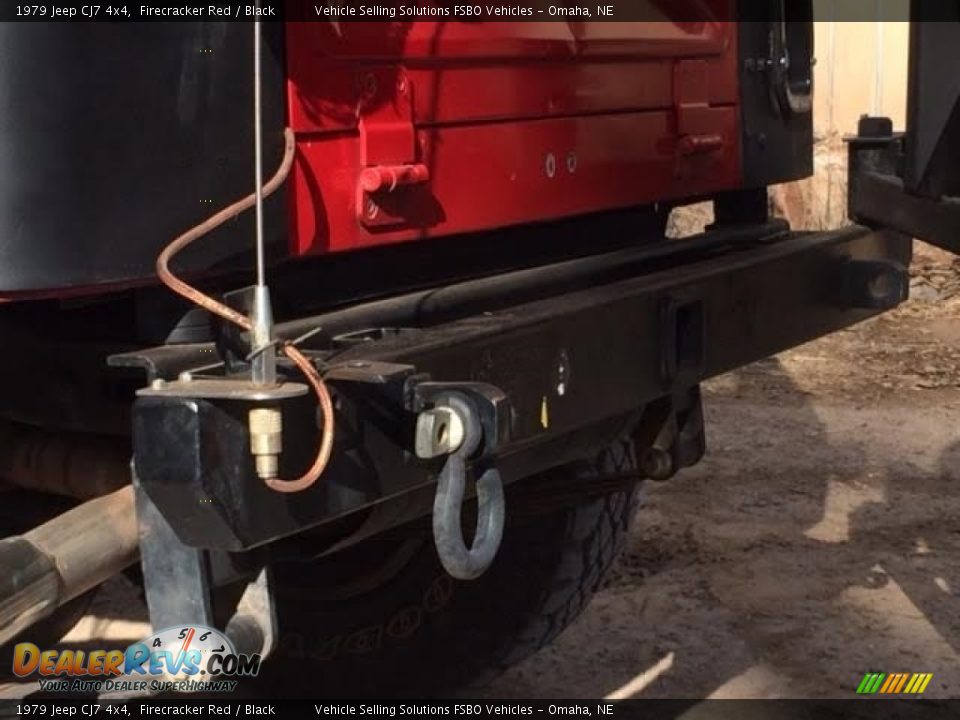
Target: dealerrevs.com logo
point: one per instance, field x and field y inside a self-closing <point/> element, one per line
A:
<point x="190" y="658"/>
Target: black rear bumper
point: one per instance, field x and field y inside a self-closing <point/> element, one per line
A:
<point x="566" y="357"/>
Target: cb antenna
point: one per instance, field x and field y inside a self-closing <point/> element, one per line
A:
<point x="264" y="364"/>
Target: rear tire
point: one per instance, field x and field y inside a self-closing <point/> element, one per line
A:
<point x="418" y="632"/>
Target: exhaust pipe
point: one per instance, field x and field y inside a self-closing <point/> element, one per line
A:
<point x="65" y="557"/>
<point x="69" y="464"/>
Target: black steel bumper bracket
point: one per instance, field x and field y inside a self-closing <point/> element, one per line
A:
<point x="558" y="378"/>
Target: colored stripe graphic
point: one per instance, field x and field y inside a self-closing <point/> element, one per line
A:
<point x="920" y="684"/>
<point x="912" y="684"/>
<point x="870" y="683"/>
<point x="891" y="681"/>
<point x="894" y="683"/>
<point x="890" y="686"/>
<point x="903" y="680"/>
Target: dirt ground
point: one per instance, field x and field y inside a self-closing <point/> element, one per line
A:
<point x="818" y="540"/>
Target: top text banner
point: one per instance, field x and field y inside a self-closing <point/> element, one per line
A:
<point x="677" y="11"/>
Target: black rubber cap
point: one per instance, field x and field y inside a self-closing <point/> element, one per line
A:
<point x="874" y="127"/>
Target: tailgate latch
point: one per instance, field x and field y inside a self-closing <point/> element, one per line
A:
<point x="389" y="172"/>
<point x="697" y="132"/>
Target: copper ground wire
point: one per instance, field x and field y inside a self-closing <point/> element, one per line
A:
<point x="208" y="303"/>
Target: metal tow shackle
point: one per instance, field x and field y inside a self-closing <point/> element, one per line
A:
<point x="457" y="559"/>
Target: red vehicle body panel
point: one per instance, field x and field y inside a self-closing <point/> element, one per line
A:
<point x="514" y="123"/>
<point x="405" y="130"/>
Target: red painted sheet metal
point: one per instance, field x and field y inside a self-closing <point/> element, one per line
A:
<point x="514" y="123"/>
